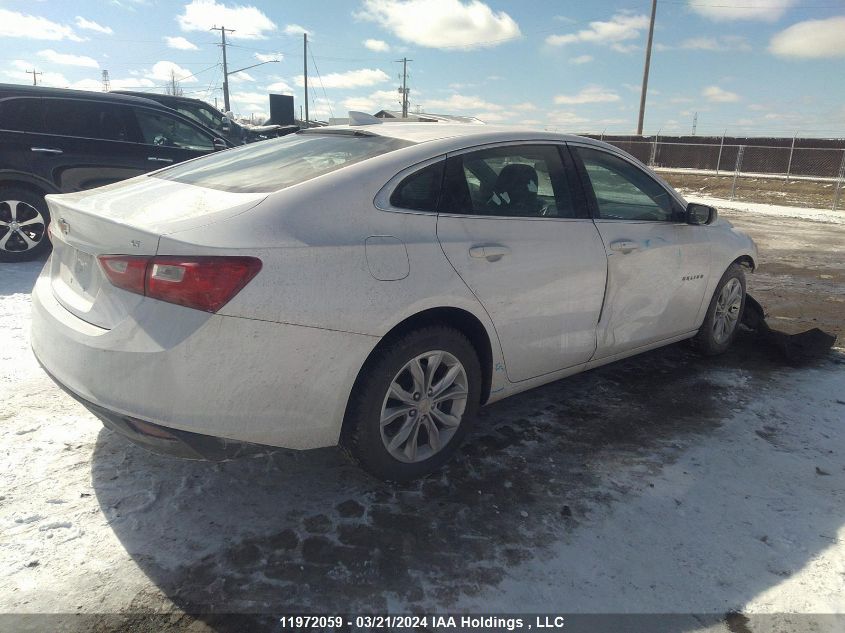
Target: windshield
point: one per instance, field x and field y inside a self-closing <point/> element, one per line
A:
<point x="276" y="164"/>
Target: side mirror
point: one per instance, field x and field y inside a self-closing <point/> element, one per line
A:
<point x="700" y="214"/>
<point x="219" y="144"/>
<point x="227" y="124"/>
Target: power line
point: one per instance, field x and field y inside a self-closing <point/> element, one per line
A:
<point x="325" y="96"/>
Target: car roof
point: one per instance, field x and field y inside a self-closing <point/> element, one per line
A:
<point x="472" y="134"/>
<point x="7" y="90"/>
<point x="160" y="98"/>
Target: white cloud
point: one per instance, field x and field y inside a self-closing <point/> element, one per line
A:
<point x="462" y="102"/>
<point x="379" y="46"/>
<point x="241" y="77"/>
<point x="248" y="22"/>
<point x="18" y="73"/>
<point x="180" y="43"/>
<point x="280" y="87"/>
<point x="718" y="95"/>
<point x="14" y="24"/>
<point x="442" y="23"/>
<point x="590" y="94"/>
<point x="295" y="29"/>
<point x="269" y="57"/>
<point x="161" y="72"/>
<point x="349" y="79"/>
<point x="116" y="84"/>
<point x="526" y="106"/>
<point x="64" y="59"/>
<point x="90" y="25"/>
<point x="581" y="59"/>
<point x="564" y="118"/>
<point x="767" y="10"/>
<point x="620" y="28"/>
<point x="811" y="39"/>
<point x="379" y="100"/>
<point x="723" y="43"/>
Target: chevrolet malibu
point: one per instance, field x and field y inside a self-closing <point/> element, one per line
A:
<point x="371" y="286"/>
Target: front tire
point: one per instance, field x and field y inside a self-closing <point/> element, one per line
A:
<point x="413" y="404"/>
<point x="724" y="314"/>
<point x="23" y="225"/>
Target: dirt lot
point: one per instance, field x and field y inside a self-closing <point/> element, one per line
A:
<point x="667" y="483"/>
<point x="799" y="193"/>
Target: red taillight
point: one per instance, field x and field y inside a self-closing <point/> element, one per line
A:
<point x="202" y="283"/>
<point x="126" y="271"/>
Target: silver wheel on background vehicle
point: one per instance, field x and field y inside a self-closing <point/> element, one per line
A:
<point x="22" y="226"/>
<point x="728" y="307"/>
<point x="424" y="406"/>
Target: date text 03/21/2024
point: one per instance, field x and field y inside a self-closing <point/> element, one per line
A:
<point x="421" y="621"/>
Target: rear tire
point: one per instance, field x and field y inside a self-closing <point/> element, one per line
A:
<point x="724" y="313"/>
<point x="413" y="404"/>
<point x="23" y="225"/>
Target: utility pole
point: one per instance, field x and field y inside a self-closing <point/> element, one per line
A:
<point x="404" y="89"/>
<point x="223" y="30"/>
<point x="106" y="82"/>
<point x="305" y="72"/>
<point x="645" y="70"/>
<point x="33" y="73"/>
<point x="694" y="123"/>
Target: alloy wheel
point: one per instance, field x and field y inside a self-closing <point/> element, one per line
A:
<point x="424" y="406"/>
<point x="22" y="226"/>
<point x="728" y="306"/>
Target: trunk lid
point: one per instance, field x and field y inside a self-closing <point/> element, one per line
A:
<point x="126" y="218"/>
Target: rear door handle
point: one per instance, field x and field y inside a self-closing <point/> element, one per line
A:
<point x="490" y="252"/>
<point x="624" y="246"/>
<point x="46" y="150"/>
<point x="158" y="159"/>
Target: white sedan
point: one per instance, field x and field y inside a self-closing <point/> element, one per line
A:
<point x="371" y="286"/>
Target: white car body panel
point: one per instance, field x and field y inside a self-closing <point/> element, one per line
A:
<point x="341" y="269"/>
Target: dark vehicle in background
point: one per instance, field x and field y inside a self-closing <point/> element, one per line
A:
<point x="209" y="116"/>
<point x="54" y="140"/>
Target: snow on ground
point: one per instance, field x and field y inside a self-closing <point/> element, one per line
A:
<point x="804" y="213"/>
<point x="663" y="483"/>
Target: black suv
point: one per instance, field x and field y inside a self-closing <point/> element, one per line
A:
<point x="212" y="118"/>
<point x="58" y="141"/>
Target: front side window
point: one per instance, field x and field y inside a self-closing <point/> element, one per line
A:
<point x="279" y="163"/>
<point x="511" y="181"/>
<point x="625" y="192"/>
<point x="203" y="116"/>
<point x="21" y="115"/>
<point x="86" y="119"/>
<point x="421" y="190"/>
<point x="159" y="128"/>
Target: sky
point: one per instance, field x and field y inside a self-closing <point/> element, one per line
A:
<point x="746" y="67"/>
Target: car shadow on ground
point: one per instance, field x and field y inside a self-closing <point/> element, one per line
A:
<point x="299" y="532"/>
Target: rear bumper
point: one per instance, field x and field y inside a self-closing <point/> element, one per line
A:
<point x="164" y="440"/>
<point x="200" y="375"/>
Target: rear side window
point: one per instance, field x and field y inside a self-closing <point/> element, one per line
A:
<point x="21" y="115"/>
<point x="87" y="119"/>
<point x="279" y="163"/>
<point x="510" y="181"/>
<point x="159" y="128"/>
<point x="421" y="190"/>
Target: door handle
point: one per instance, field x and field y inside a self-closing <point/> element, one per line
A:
<point x="490" y="252"/>
<point x="46" y="150"/>
<point x="624" y="246"/>
<point x="158" y="159"/>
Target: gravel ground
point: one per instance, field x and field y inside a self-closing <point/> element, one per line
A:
<point x="667" y="483"/>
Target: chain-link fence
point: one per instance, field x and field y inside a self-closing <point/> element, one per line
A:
<point x="802" y="176"/>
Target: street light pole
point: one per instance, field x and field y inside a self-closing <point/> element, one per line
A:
<point x="646" y="69"/>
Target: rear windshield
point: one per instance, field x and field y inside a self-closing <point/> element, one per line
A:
<point x="272" y="165"/>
